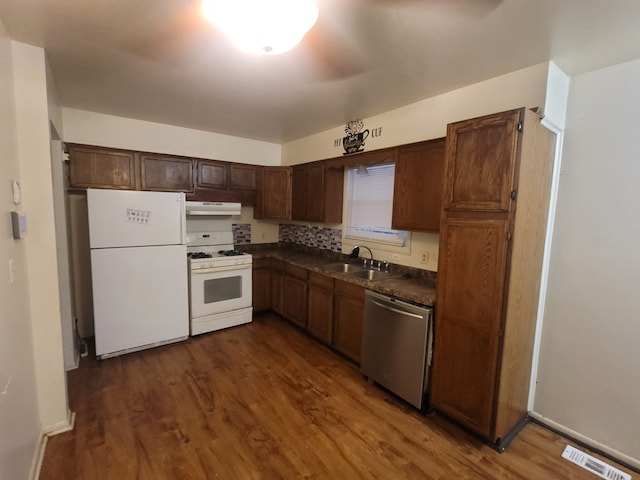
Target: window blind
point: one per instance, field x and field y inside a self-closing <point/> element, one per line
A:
<point x="369" y="205"/>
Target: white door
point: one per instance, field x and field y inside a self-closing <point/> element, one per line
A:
<point x="127" y="218"/>
<point x="140" y="297"/>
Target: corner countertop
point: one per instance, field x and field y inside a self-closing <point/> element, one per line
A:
<point x="414" y="285"/>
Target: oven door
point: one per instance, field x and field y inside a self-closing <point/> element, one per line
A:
<point x="220" y="289"/>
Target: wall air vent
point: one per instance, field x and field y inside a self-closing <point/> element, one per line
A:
<point x="603" y="470"/>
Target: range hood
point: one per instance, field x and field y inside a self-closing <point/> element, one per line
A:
<point x="212" y="208"/>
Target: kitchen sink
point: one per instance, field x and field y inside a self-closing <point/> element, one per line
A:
<point x="343" y="267"/>
<point x="372" y="275"/>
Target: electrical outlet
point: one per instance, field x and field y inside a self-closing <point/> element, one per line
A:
<point x="424" y="257"/>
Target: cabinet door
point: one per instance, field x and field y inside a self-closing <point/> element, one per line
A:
<point x="261" y="286"/>
<point x="299" y="193"/>
<point x="417" y="191"/>
<point x="166" y="174"/>
<point x="275" y="193"/>
<point x="277" y="286"/>
<point x="348" y="311"/>
<point x="470" y="294"/>
<point x="320" y="307"/>
<point x="92" y="167"/>
<point x="212" y="174"/>
<point x="242" y="177"/>
<point x="480" y="162"/>
<point x="295" y="300"/>
<point x="315" y="192"/>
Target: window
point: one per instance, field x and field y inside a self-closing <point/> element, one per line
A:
<point x="368" y="206"/>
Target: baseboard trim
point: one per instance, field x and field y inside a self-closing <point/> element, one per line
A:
<point x="41" y="446"/>
<point x="586" y="442"/>
<point x="36" y="463"/>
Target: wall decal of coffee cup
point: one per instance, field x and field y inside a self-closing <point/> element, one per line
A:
<point x="356" y="135"/>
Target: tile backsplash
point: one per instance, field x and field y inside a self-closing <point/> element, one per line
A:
<point x="319" y="237"/>
<point x="241" y="233"/>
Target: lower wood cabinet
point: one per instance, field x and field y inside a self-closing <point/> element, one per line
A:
<point x="330" y="310"/>
<point x="348" y="311"/>
<point x="320" y="307"/>
<point x="295" y="294"/>
<point x="261" y="283"/>
<point x="277" y="286"/>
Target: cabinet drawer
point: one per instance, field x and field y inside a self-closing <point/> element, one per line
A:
<point x="349" y="289"/>
<point x="296" y="271"/>
<point x="321" y="281"/>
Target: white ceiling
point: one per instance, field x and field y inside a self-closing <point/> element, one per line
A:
<point x="157" y="60"/>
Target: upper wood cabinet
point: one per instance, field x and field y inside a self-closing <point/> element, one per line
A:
<point x="417" y="191"/>
<point x="490" y="262"/>
<point x="317" y="193"/>
<point x="225" y="182"/>
<point x="481" y="163"/>
<point x="166" y="173"/>
<point x="96" y="167"/>
<point x="210" y="174"/>
<point x="274" y="193"/>
<point x="243" y="177"/>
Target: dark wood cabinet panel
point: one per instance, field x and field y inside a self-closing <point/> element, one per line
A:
<point x="317" y="193"/>
<point x="277" y="286"/>
<point x="299" y="192"/>
<point x="211" y="174"/>
<point x="469" y="319"/>
<point x="218" y="181"/>
<point x="348" y="312"/>
<point x="274" y="193"/>
<point x="320" y="307"/>
<point x="481" y="162"/>
<point x="95" y="167"/>
<point x="417" y="192"/>
<point x="295" y="298"/>
<point x="243" y="177"/>
<point x="261" y="282"/>
<point x="165" y="173"/>
<point x="490" y="261"/>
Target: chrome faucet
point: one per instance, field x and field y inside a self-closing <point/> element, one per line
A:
<point x="356" y="251"/>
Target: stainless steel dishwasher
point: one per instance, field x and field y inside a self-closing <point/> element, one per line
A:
<point x="396" y="345"/>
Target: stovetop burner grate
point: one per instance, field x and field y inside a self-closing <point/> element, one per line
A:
<point x="196" y="255"/>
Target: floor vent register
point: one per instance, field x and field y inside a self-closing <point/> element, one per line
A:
<point x="593" y="464"/>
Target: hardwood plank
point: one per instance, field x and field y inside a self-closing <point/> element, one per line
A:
<point x="265" y="401"/>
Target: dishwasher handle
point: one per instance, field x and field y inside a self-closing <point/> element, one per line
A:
<point x="395" y="310"/>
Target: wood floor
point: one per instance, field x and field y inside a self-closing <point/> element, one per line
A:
<point x="264" y="401"/>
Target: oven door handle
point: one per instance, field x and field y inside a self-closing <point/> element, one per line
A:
<point x="221" y="269"/>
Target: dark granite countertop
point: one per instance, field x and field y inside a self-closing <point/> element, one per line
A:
<point x="412" y="284"/>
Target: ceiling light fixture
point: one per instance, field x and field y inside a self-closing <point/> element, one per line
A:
<point x="265" y="27"/>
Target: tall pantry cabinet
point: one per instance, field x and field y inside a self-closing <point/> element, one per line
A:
<point x="497" y="181"/>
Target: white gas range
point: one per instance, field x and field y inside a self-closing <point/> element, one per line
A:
<point x="220" y="277"/>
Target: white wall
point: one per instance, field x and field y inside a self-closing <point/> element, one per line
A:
<point x="589" y="369"/>
<point x="425" y="120"/>
<point x="428" y="118"/>
<point x="33" y="142"/>
<point x="19" y="417"/>
<point x="109" y="131"/>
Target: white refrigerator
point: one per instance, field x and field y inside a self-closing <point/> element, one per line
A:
<point x="138" y="269"/>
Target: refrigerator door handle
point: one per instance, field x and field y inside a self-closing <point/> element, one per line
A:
<point x="183" y="218"/>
